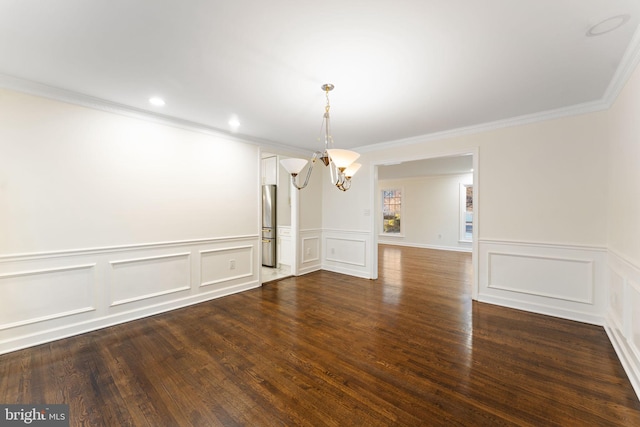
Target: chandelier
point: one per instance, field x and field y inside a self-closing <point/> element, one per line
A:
<point x="340" y="162"/>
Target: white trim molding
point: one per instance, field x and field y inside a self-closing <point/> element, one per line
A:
<point x="310" y="249"/>
<point x="468" y="249"/>
<point x="566" y="281"/>
<point x="623" y="314"/>
<point x="346" y="252"/>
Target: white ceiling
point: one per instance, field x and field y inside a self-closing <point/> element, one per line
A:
<point x="401" y="69"/>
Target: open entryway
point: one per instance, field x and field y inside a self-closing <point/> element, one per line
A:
<point x="276" y="215"/>
<point x="428" y="203"/>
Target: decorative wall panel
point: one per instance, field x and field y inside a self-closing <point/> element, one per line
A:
<point x="148" y="277"/>
<point x="44" y="297"/>
<point x="309" y="251"/>
<point x="348" y="252"/>
<point x="558" y="278"/>
<point x="566" y="281"/>
<point x="226" y="264"/>
<point x="40" y="295"/>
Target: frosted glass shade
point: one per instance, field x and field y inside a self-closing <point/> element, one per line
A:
<point x="352" y="169"/>
<point x="293" y="166"/>
<point x="342" y="158"/>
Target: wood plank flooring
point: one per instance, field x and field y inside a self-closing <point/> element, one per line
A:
<point x="409" y="349"/>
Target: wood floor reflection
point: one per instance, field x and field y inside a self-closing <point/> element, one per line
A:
<point x="408" y="349"/>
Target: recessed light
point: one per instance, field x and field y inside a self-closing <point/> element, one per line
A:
<point x="158" y="102"/>
<point x="607" y="25"/>
<point x="234" y="123"/>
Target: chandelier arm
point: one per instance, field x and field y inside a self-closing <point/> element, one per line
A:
<point x="335" y="174"/>
<point x="306" y="180"/>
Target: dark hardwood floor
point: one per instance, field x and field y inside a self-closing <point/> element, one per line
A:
<point x="409" y="349"/>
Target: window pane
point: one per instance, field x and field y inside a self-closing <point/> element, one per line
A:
<point x="391" y="210"/>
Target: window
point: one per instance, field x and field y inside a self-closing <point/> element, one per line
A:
<point x="391" y="211"/>
<point x="466" y="212"/>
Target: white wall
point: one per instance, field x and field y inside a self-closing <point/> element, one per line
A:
<point x="74" y="177"/>
<point x="309" y="238"/>
<point x="284" y="196"/>
<point x="623" y="309"/>
<point x="430" y="211"/>
<point x="105" y="218"/>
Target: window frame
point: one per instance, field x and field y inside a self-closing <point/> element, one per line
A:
<point x="384" y="233"/>
<point x="462" y="235"/>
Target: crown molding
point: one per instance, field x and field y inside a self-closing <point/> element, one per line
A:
<point x="70" y="97"/>
<point x="573" y="110"/>
<point x="627" y="66"/>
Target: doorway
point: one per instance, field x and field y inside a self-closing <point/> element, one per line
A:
<point x="271" y="176"/>
<point x="428" y="203"/>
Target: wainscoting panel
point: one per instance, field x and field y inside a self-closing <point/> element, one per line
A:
<point x="285" y="253"/>
<point x="34" y="296"/>
<point x="634" y="322"/>
<point x="559" y="280"/>
<point x="143" y="278"/>
<point x="346" y="252"/>
<point x="309" y="251"/>
<point x="623" y="314"/>
<point x="48" y="296"/>
<point x="616" y="299"/>
<point x="226" y="265"/>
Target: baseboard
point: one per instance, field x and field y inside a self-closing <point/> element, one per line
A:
<point x="426" y="246"/>
<point x="627" y="358"/>
<point x="347" y="271"/>
<point x="307" y="270"/>
<point x="543" y="309"/>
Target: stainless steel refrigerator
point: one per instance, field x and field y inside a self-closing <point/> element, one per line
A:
<point x="269" y="225"/>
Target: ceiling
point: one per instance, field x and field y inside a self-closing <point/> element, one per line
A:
<point x="400" y="69"/>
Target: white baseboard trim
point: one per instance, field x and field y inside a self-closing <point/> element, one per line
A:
<point x="307" y="270"/>
<point x="347" y="271"/>
<point x="543" y="309"/>
<point x="426" y="246"/>
<point x="626" y="357"/>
